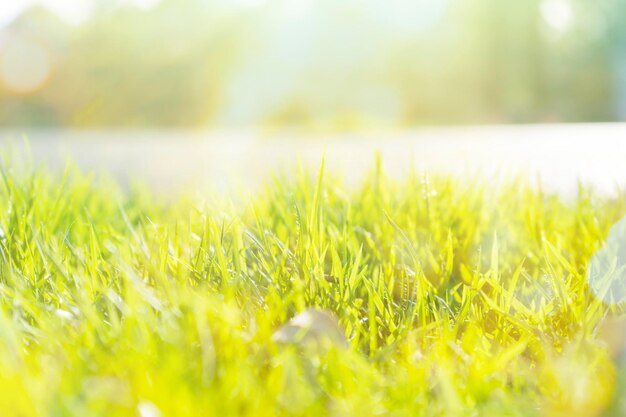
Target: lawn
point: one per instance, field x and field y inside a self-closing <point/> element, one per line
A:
<point x="430" y="296"/>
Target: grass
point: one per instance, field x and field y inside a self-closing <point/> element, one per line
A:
<point x="457" y="298"/>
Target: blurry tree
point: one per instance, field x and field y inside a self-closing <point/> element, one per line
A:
<point x="127" y="67"/>
<point x="326" y="64"/>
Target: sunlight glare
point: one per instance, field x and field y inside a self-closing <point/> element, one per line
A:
<point x="74" y="12"/>
<point x="558" y="14"/>
<point x="145" y="4"/>
<point x="9" y="10"/>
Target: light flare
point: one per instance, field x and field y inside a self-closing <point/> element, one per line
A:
<point x="558" y="14"/>
<point x="25" y="66"/>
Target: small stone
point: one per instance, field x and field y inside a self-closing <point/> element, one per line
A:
<point x="312" y="327"/>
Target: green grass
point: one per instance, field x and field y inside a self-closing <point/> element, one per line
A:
<point x="458" y="298"/>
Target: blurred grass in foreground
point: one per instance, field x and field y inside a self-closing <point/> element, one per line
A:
<point x="456" y="299"/>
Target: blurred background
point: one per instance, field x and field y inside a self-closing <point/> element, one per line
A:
<point x="312" y="64"/>
<point x="221" y="94"/>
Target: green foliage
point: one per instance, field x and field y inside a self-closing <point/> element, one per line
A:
<point x="457" y="298"/>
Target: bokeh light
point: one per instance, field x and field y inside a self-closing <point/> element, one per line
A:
<point x="557" y="13"/>
<point x="24" y="65"/>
